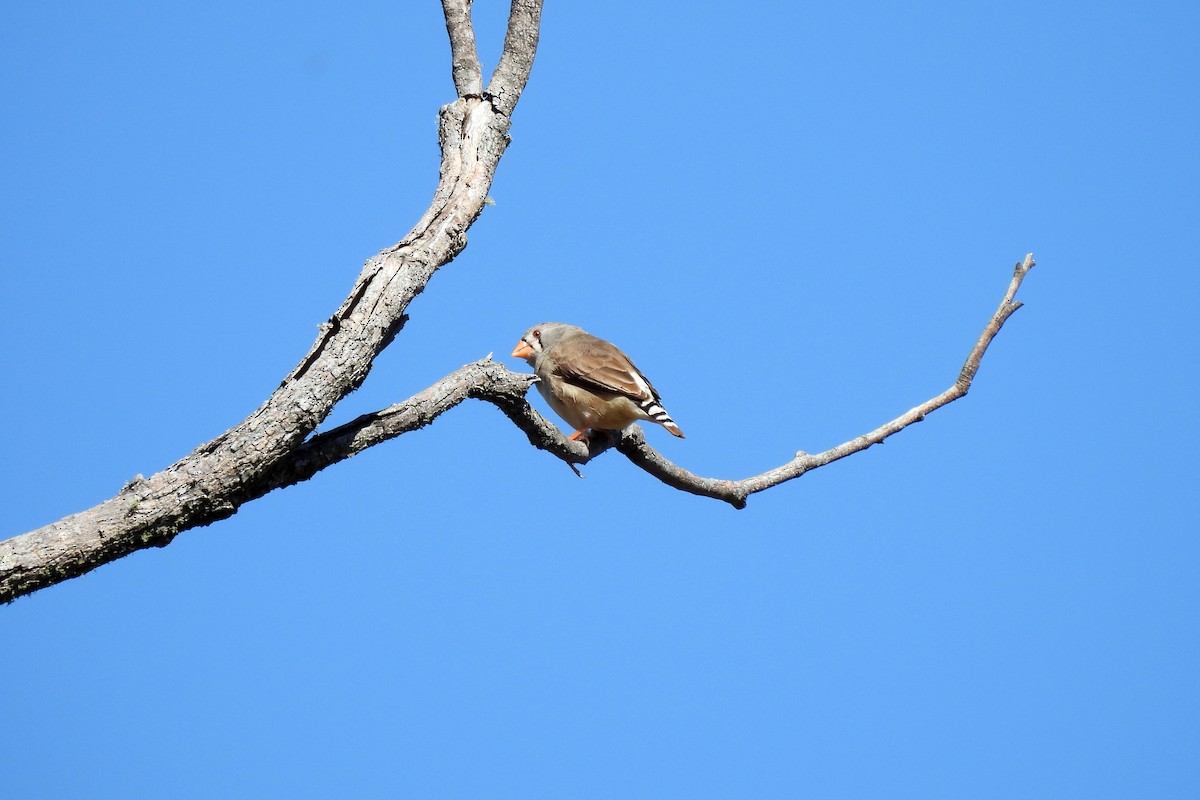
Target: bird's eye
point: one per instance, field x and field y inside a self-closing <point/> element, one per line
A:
<point x="537" y="334"/>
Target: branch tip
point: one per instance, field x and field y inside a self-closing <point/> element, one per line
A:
<point x="632" y="443"/>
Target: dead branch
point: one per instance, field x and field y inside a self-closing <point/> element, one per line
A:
<point x="634" y="446"/>
<point x="492" y="382"/>
<point x="276" y="445"/>
<point x="213" y="481"/>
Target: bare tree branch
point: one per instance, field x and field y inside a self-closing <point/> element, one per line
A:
<point x="464" y="58"/>
<point x="520" y="44"/>
<point x="276" y="447"/>
<point x="492" y="382"/>
<point x="211" y="482"/>
<point x="483" y="380"/>
<point x="633" y="443"/>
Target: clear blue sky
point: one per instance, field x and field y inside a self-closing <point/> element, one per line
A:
<point x="796" y="218"/>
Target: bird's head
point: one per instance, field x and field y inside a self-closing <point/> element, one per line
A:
<point x="540" y="338"/>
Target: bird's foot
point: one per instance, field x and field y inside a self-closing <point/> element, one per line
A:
<point x="596" y="440"/>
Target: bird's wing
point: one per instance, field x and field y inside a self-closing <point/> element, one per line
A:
<point x="595" y="363"/>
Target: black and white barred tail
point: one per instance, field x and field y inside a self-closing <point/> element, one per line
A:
<point x="654" y="411"/>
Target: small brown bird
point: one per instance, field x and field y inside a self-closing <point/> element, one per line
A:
<point x="588" y="381"/>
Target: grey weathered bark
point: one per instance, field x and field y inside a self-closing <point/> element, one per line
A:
<point x="210" y="483"/>
<point x="275" y="446"/>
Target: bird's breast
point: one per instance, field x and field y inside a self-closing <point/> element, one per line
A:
<point x="584" y="408"/>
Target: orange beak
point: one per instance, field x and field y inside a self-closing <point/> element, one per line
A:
<point x="522" y="350"/>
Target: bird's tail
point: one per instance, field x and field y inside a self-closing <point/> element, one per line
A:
<point x="656" y="412"/>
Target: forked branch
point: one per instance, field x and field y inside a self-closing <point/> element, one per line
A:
<point x="212" y="482"/>
<point x="492" y="382"/>
<point x="276" y="445"/>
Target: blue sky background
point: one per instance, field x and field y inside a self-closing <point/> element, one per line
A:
<point x="797" y="219"/>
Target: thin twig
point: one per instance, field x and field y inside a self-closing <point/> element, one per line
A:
<point x="634" y="446"/>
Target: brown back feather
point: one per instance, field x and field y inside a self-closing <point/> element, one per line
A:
<point x="595" y="363"/>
